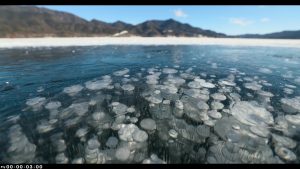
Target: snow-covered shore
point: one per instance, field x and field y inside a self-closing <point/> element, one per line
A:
<point x="97" y="41"/>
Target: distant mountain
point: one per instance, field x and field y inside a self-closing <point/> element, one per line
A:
<point x="171" y="28"/>
<point x="32" y="21"/>
<point x="122" y="25"/>
<point x="276" y="35"/>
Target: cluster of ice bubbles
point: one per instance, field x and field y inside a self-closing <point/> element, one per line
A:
<point x="160" y="115"/>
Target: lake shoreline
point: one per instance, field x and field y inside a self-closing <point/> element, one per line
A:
<point x="100" y="41"/>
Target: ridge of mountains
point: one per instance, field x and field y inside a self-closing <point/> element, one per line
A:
<point x="31" y="21"/>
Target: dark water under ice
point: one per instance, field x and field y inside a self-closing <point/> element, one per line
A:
<point x="46" y="72"/>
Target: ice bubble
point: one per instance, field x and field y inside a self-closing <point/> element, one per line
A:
<point x="290" y="86"/>
<point x="166" y="102"/>
<point x="265" y="70"/>
<point x="288" y="91"/>
<point x="134" y="120"/>
<point x="128" y="87"/>
<point x="291" y="105"/>
<point x="78" y="161"/>
<point x="203" y="131"/>
<point x="189" y="70"/>
<point x="227" y="111"/>
<point x="125" y="80"/>
<point x="283" y="141"/>
<point x="20" y="149"/>
<point x="53" y="105"/>
<point x="152" y="79"/>
<point x="91" y="156"/>
<point x="119" y="109"/>
<point x="169" y="71"/>
<point x="214" y="65"/>
<point x="117" y="85"/>
<point x="233" y="136"/>
<point x="120" y="119"/>
<point x="154" y="99"/>
<point x="216" y="105"/>
<point x="115" y="103"/>
<point x="249" y="94"/>
<point x="170" y="89"/>
<point x="260" y="131"/>
<point x="294" y="119"/>
<point x="53" y="121"/>
<point x="98" y="84"/>
<point x="73" y="90"/>
<point x="203" y="116"/>
<point x="40" y="89"/>
<point x="148" y="124"/>
<point x="297" y="80"/>
<point x="130" y="109"/>
<point x="93" y="143"/>
<point x="36" y="103"/>
<point x="202" y="105"/>
<point x="122" y="153"/>
<point x="173" y="133"/>
<point x="91" y="153"/>
<point x="126" y="131"/>
<point x="177" y="81"/>
<point x="214" y="114"/>
<point x="92" y="103"/>
<point x="121" y="72"/>
<point x="226" y="83"/>
<point x="194" y="84"/>
<point x="135" y="79"/>
<point x="253" y="86"/>
<point x="186" y="76"/>
<point x="208" y="85"/>
<point x="13" y="118"/>
<point x="197" y="94"/>
<point x="112" y="142"/>
<point x="97" y="116"/>
<point x="250" y="114"/>
<point x="60" y="145"/>
<point x="139" y="136"/>
<point x="191" y="110"/>
<point x="61" y="159"/>
<point x="210" y="123"/>
<point x="153" y="160"/>
<point x="285" y="153"/>
<point x="179" y="104"/>
<point x="79" y="108"/>
<point x="281" y="123"/>
<point x="264" y="93"/>
<point x="249" y="79"/>
<point x="218" y="96"/>
<point x="236" y="127"/>
<point x="44" y="127"/>
<point x="81" y="132"/>
<point x="288" y="74"/>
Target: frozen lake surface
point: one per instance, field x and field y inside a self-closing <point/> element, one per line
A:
<point x="150" y="104"/>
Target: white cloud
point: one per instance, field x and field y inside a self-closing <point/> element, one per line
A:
<point x="240" y="21"/>
<point x="180" y="13"/>
<point x="265" y="19"/>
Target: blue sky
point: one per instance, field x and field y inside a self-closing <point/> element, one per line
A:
<point x="231" y="20"/>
